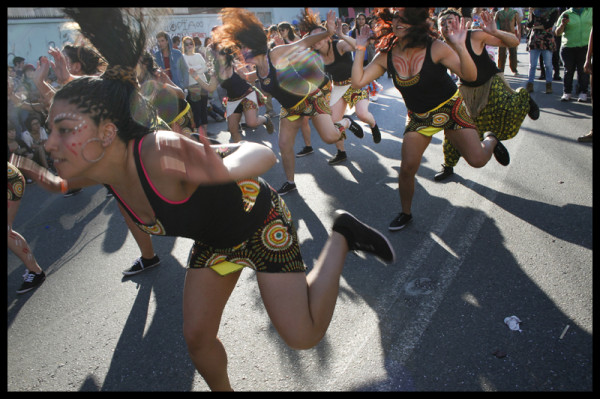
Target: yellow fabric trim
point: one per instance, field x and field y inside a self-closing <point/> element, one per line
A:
<point x="225" y="268"/>
<point x="447" y="101"/>
<point x="187" y="108"/>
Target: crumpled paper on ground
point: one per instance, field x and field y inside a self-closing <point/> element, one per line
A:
<point x="513" y="323"/>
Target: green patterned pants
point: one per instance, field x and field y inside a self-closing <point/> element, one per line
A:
<point x="503" y="116"/>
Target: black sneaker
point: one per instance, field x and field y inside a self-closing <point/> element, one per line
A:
<point x="339" y="157"/>
<point x="400" y="221"/>
<point x="71" y="193"/>
<point x="31" y="281"/>
<point x="534" y="110"/>
<point x="286" y="188"/>
<point x="361" y="237"/>
<point x="141" y="264"/>
<point x="500" y="151"/>
<point x="305" y="151"/>
<point x="446" y="171"/>
<point x="355" y="128"/>
<point x="269" y="125"/>
<point x="376" y="134"/>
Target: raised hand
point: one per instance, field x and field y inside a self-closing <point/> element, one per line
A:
<point x="488" y="24"/>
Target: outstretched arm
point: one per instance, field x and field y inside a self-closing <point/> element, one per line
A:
<point x="363" y="76"/>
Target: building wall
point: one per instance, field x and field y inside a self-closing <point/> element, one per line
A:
<point x="30" y="38"/>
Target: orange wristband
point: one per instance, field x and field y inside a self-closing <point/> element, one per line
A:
<point x="363" y="48"/>
<point x="63" y="186"/>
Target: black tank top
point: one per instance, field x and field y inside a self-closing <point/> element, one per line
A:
<point x="486" y="68"/>
<point x="270" y="84"/>
<point x="427" y="89"/>
<point x="235" y="86"/>
<point x="341" y="67"/>
<point x="218" y="215"/>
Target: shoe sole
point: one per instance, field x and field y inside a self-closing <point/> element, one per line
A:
<point x="343" y="212"/>
<point x="355" y="128"/>
<point x="303" y="155"/>
<point x="399" y="228"/>
<point x="288" y="191"/>
<point x="32" y="288"/>
<point x="337" y="161"/>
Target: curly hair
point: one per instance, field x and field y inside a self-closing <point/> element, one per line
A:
<point x="241" y="28"/>
<point x="119" y="36"/>
<point x="418" y="35"/>
<point x="309" y="21"/>
<point x="90" y="60"/>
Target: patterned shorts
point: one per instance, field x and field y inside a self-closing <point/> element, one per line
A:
<point x="315" y="103"/>
<point x="273" y="248"/>
<point x="452" y="115"/>
<point x="245" y="105"/>
<point x="16" y="183"/>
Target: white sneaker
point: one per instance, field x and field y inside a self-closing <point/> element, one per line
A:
<point x="582" y="98"/>
<point x="565" y="97"/>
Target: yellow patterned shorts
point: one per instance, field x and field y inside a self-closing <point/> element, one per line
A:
<point x="314" y="103"/>
<point x="16" y="183"/>
<point x="452" y="115"/>
<point x="273" y="248"/>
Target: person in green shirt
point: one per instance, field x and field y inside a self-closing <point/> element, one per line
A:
<point x="574" y="25"/>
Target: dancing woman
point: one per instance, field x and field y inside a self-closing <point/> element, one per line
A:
<point x="172" y="185"/>
<point x="337" y="58"/>
<point x="493" y="105"/>
<point x="281" y="67"/>
<point x="418" y="64"/>
<point x="242" y="97"/>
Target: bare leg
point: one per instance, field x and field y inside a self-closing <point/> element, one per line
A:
<point x="143" y="240"/>
<point x="413" y="147"/>
<point x="233" y="124"/>
<point x="337" y="113"/>
<point x="287" y="136"/>
<point x="327" y="130"/>
<point x="204" y="297"/>
<point x="305" y="129"/>
<point x="17" y="244"/>
<point x="476" y="153"/>
<point x="301" y="306"/>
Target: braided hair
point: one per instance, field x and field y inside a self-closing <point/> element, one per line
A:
<point x="119" y="35"/>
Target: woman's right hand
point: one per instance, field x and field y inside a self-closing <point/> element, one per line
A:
<point x="362" y="37"/>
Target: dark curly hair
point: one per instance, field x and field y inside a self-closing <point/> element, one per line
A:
<point x="90" y="60"/>
<point x="119" y="36"/>
<point x="418" y="35"/>
<point x="241" y="28"/>
<point x="309" y="21"/>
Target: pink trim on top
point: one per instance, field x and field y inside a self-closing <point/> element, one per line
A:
<point x="150" y="181"/>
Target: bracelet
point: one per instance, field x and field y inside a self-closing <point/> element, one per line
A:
<point x="63" y="186"/>
<point x="363" y="48"/>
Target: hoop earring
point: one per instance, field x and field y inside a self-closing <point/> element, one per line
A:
<point x="83" y="150"/>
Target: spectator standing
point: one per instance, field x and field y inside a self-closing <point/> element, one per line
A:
<point x="171" y="61"/>
<point x="508" y="20"/>
<point x="540" y="43"/>
<point x="575" y="25"/>
<point x="197" y="97"/>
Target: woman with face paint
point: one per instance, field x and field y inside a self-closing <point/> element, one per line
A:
<point x="102" y="132"/>
<point x="337" y="59"/>
<point x="418" y="63"/>
<point x="292" y="74"/>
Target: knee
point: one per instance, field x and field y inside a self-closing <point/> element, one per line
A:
<point x="301" y="342"/>
<point x="196" y="337"/>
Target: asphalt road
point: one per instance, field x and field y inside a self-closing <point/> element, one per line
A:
<point x="485" y="244"/>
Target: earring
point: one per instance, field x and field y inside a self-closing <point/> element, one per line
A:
<point x="83" y="150"/>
